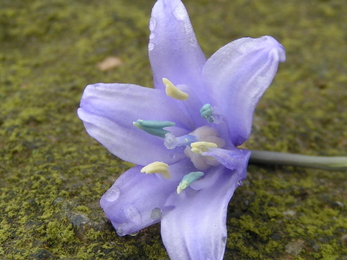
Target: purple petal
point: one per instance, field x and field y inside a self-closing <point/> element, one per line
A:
<point x="173" y="49"/>
<point x="231" y="159"/>
<point x="235" y="159"/>
<point x="136" y="199"/>
<point x="237" y="75"/>
<point x="196" y="226"/>
<point x="109" y="110"/>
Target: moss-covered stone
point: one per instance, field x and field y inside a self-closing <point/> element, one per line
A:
<point x="53" y="173"/>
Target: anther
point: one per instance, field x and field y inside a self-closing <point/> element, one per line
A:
<point x="206" y="112"/>
<point x="188" y="179"/>
<point x="153" y="127"/>
<point x="157" y="167"/>
<point x="200" y="147"/>
<point x="173" y="91"/>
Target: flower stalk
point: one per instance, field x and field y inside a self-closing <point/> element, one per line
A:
<point x="332" y="163"/>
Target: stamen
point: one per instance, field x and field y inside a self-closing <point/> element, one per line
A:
<point x="188" y="179"/>
<point x="206" y="112"/>
<point x="157" y="167"/>
<point x="153" y="127"/>
<point x="200" y="147"/>
<point x="173" y="91"/>
<point x="171" y="141"/>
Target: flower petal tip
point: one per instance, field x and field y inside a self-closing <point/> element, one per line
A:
<point x="277" y="48"/>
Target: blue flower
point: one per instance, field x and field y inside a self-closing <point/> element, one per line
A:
<point x="183" y="134"/>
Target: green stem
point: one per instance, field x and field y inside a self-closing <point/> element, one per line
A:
<point x="334" y="163"/>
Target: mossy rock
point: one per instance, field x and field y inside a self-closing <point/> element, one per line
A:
<point x="53" y="174"/>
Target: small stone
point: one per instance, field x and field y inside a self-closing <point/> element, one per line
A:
<point x="295" y="247"/>
<point x="290" y="213"/>
<point x="109" y="63"/>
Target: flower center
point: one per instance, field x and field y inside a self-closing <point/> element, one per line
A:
<point x="196" y="143"/>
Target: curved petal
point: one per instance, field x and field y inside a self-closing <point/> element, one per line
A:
<point x="136" y="199"/>
<point x="235" y="159"/>
<point x="173" y="49"/>
<point x="231" y="159"/>
<point x="109" y="110"/>
<point x="237" y="75"/>
<point x="196" y="226"/>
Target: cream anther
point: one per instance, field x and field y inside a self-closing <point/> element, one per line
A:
<point x="173" y="91"/>
<point x="200" y="147"/>
<point x="157" y="167"/>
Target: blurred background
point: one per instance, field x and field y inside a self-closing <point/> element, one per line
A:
<point x="53" y="174"/>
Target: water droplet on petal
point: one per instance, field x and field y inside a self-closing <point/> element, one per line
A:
<point x="151" y="36"/>
<point x="150" y="46"/>
<point x="112" y="194"/>
<point x="156" y="214"/>
<point x="192" y="41"/>
<point x="180" y="12"/>
<point x="152" y="24"/>
<point x="217" y="119"/>
<point x="240" y="182"/>
<point x="119" y="231"/>
<point x="246" y="46"/>
<point x="132" y="214"/>
<point x="261" y="80"/>
<point x="170" y="141"/>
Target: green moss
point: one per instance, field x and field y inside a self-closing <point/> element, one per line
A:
<point x="53" y="174"/>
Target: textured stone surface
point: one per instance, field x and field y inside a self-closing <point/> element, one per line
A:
<point x="53" y="173"/>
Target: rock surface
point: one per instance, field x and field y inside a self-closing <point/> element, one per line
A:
<point x="53" y="173"/>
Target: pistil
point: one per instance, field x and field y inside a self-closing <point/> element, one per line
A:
<point x="171" y="141"/>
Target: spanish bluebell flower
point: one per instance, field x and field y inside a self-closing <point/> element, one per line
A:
<point x="182" y="135"/>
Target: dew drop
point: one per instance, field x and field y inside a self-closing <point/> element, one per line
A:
<point x="156" y="214"/>
<point x="119" y="231"/>
<point x="151" y="36"/>
<point x="150" y="46"/>
<point x="112" y="194"/>
<point x="261" y="80"/>
<point x="132" y="214"/>
<point x="152" y="24"/>
<point x="180" y="12"/>
<point x="188" y="29"/>
<point x="240" y="182"/>
<point x="217" y="119"/>
<point x="170" y="141"/>
<point x="246" y="46"/>
<point x="192" y="41"/>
